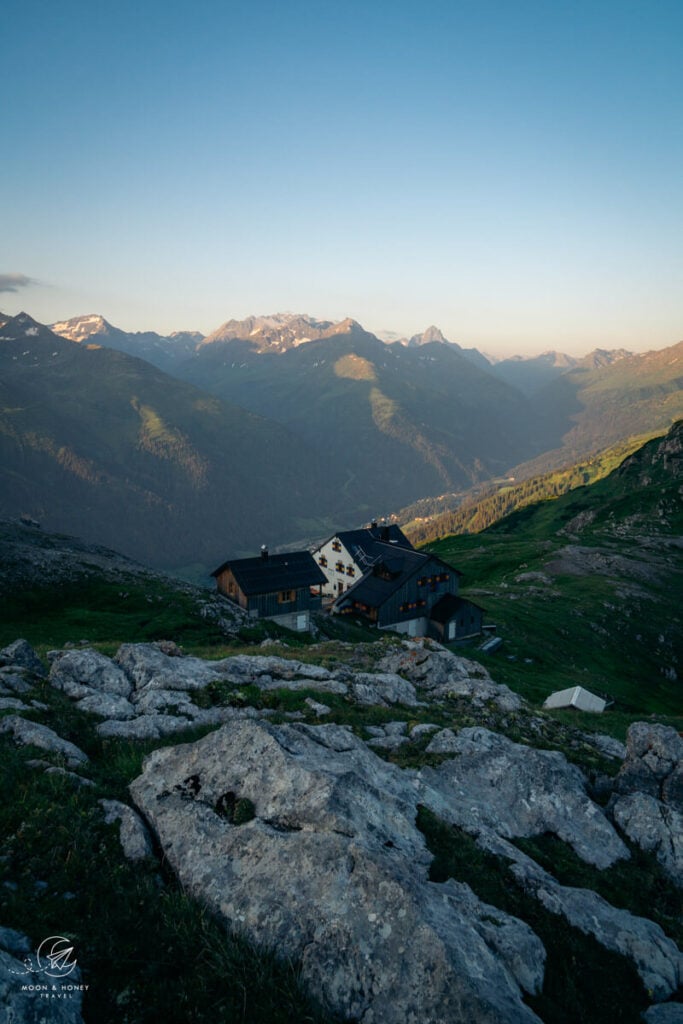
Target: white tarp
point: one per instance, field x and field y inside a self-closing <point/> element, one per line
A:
<point x="575" y="697"/>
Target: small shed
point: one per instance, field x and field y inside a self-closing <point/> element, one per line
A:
<point x="576" y="697"/>
<point x="454" y="618"/>
<point x="285" y="587"/>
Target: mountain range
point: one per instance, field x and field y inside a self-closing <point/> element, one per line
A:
<point x="183" y="450"/>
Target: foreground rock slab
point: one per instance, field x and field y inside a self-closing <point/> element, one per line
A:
<point x="29" y="733"/>
<point x="332" y="870"/>
<point x="518" y="791"/>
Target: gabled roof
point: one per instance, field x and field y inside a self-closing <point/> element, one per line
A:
<point x="394" y="566"/>
<point x="362" y="544"/>
<point x="448" y="607"/>
<point x="391" y="534"/>
<point x="287" y="571"/>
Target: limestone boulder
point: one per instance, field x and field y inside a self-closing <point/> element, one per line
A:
<point x="14" y="679"/>
<point x="654" y="763"/>
<point x="441" y="673"/>
<point x="134" y="836"/>
<point x="20" y="654"/>
<point x="519" y="791"/>
<point x="148" y="666"/>
<point x="82" y="672"/>
<point x="655" y="826"/>
<point x="382" y="689"/>
<point x="331" y="870"/>
<point x="28" y="733"/>
<point x="656" y="957"/>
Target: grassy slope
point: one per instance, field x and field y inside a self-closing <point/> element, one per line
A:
<point x="608" y="617"/>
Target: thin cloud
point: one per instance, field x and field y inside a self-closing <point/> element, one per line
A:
<point x="13" y="282"/>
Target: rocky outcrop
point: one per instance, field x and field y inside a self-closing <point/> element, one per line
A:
<point x="647" y="804"/>
<point x="333" y="871"/>
<point x="518" y="791"/>
<point x="655" y="827"/>
<point x="33" y="734"/>
<point x="442" y="674"/>
<point x="656" y="957"/>
<point x="83" y="673"/>
<point x="654" y="763"/>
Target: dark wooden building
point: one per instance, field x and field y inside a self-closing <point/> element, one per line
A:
<point x="285" y="587"/>
<point x="453" y="618"/>
<point x="411" y="592"/>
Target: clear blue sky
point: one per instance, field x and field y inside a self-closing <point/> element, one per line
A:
<point x="510" y="171"/>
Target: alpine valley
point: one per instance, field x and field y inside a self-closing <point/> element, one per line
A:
<point x="181" y="450"/>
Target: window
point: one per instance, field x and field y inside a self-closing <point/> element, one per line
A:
<point x="322" y="561"/>
<point x="339" y="567"/>
<point x="336" y="545"/>
<point x="350" y="571"/>
<point x="410" y="606"/>
<point x="285" y="596"/>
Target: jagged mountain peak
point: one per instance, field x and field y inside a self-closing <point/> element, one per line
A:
<point x="80" y="328"/>
<point x="276" y="332"/>
<point x="431" y="334"/>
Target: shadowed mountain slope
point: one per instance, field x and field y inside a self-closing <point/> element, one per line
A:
<point x="98" y="443"/>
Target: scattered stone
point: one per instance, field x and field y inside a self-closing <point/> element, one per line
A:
<point x="317" y="708"/>
<point x="333" y="871"/>
<point x="72" y="776"/>
<point x="146" y="727"/>
<point x="608" y="746"/>
<point x="135" y="839"/>
<point x="423" y="729"/>
<point x="445" y="742"/>
<point x="106" y="705"/>
<point x="267" y="682"/>
<point x="15" y="680"/>
<point x="519" y="791"/>
<point x="31" y="733"/>
<point x="12" y="704"/>
<point x="656" y="957"/>
<point x="20" y="654"/>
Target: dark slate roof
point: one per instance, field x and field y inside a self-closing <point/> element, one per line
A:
<point x="287" y="571"/>
<point x="366" y="541"/>
<point x="374" y="588"/>
<point x="448" y="607"/>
